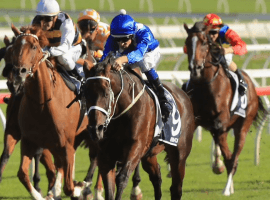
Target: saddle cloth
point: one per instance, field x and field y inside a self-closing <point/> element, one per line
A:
<point x="72" y="83"/>
<point x="170" y="131"/>
<point x="239" y="103"/>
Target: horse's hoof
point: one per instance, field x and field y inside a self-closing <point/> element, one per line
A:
<point x="136" y="197"/>
<point x="86" y="194"/>
<point x="226" y="193"/>
<point x="218" y="168"/>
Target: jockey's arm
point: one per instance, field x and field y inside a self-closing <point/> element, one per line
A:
<point x="118" y="63"/>
<point x="238" y="46"/>
<point x="67" y="37"/>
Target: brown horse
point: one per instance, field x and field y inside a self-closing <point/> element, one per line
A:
<point x="211" y="95"/>
<point x="44" y="120"/>
<point x="122" y="120"/>
<point x="12" y="133"/>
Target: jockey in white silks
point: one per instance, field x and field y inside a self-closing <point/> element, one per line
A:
<point x="133" y="42"/>
<point x="62" y="33"/>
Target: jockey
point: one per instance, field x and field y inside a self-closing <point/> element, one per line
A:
<point x="93" y="31"/>
<point x="133" y="42"/>
<point x="62" y="34"/>
<point x="235" y="45"/>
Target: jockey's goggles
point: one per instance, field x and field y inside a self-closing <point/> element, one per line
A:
<point x="213" y="32"/>
<point x="46" y="18"/>
<point x="122" y="39"/>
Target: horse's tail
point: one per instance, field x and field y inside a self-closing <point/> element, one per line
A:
<point x="261" y="113"/>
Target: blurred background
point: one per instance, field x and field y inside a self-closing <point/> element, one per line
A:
<point x="249" y="18"/>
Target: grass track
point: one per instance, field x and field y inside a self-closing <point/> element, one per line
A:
<point x="251" y="182"/>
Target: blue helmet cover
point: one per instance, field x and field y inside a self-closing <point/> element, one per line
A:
<point x="122" y="25"/>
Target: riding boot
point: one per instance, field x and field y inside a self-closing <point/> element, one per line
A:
<point x="165" y="106"/>
<point x="242" y="84"/>
<point x="77" y="73"/>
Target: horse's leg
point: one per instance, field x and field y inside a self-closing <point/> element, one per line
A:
<point x="67" y="157"/>
<point x="28" y="150"/>
<point x="46" y="160"/>
<point x="36" y="176"/>
<point x="218" y="166"/>
<point x="136" y="192"/>
<point x="124" y="174"/>
<point x="221" y="139"/>
<point x="151" y="166"/>
<point x="99" y="188"/>
<point x="12" y="131"/>
<point x="9" y="144"/>
<point x="108" y="177"/>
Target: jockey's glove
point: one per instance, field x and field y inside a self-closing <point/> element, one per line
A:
<point x="46" y="54"/>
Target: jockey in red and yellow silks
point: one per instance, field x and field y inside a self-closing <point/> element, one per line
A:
<point x="231" y="43"/>
<point x="93" y="30"/>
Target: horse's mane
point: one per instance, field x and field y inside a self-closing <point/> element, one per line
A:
<point x="36" y="30"/>
<point x="104" y="66"/>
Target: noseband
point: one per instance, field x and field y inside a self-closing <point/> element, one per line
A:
<point x="110" y="113"/>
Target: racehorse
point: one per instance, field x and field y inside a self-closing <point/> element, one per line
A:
<point x="12" y="131"/>
<point x="122" y="119"/>
<point x="44" y="119"/>
<point x="211" y="94"/>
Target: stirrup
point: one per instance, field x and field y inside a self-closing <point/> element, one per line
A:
<point x="242" y="88"/>
<point x="166" y="110"/>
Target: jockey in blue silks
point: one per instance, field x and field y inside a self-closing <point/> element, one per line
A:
<point x="133" y="42"/>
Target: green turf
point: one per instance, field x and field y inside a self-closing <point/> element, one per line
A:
<point x="239" y="6"/>
<point x="251" y="182"/>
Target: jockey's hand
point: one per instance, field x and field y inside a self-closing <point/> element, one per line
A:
<point x="228" y="50"/>
<point x="118" y="63"/>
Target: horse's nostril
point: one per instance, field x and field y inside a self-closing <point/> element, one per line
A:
<point x="23" y="70"/>
<point x="100" y="128"/>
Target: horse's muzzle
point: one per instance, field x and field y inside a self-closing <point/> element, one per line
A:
<point x="96" y="132"/>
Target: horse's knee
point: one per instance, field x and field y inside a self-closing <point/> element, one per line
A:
<point x="22" y="175"/>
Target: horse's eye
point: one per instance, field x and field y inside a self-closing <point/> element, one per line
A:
<point x="34" y="47"/>
<point x="106" y="95"/>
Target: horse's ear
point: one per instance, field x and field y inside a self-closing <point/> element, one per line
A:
<point x="108" y="69"/>
<point x="186" y="28"/>
<point x="15" y="30"/>
<point x="6" y="41"/>
<point x="87" y="66"/>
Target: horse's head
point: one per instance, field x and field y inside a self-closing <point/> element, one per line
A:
<point x="201" y="50"/>
<point x="27" y="52"/>
<point x="99" y="97"/>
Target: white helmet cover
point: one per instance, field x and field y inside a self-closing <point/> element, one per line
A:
<point x="48" y="8"/>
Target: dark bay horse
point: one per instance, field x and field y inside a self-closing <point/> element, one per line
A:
<point x="122" y="120"/>
<point x="211" y="95"/>
<point x="44" y="120"/>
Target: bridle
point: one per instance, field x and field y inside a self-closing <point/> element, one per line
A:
<point x="40" y="60"/>
<point x="111" y="111"/>
<point x="217" y="63"/>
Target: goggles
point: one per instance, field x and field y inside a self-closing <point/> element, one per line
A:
<point x="46" y="18"/>
<point x="213" y="32"/>
<point x="122" y="39"/>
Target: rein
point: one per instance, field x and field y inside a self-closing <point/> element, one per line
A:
<point x="109" y="114"/>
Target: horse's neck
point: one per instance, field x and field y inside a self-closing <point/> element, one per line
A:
<point x="126" y="96"/>
<point x="40" y="87"/>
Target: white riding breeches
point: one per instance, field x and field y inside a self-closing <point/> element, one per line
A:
<point x="228" y="58"/>
<point x="68" y="60"/>
<point x="150" y="60"/>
